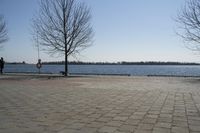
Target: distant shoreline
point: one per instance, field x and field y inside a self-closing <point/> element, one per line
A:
<point x="109" y="63"/>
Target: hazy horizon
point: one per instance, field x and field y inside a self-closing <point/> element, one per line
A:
<point x="129" y="30"/>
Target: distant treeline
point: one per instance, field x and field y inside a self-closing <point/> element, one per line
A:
<point x="110" y="63"/>
<point x="23" y="62"/>
<point x="119" y="63"/>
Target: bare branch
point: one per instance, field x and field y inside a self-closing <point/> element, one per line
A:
<point x="3" y="30"/>
<point x="63" y="27"/>
<point x="189" y="24"/>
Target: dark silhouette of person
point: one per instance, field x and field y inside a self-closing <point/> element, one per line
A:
<point x="1" y="65"/>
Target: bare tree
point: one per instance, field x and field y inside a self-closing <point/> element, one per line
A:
<point x="3" y="30"/>
<point x="189" y="24"/>
<point x="63" y="27"/>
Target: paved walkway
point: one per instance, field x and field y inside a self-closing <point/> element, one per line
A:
<point x="100" y="105"/>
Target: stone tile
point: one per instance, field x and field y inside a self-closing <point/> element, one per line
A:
<point x="132" y="122"/>
<point x="137" y="117"/>
<point x="110" y="114"/>
<point x="194" y="122"/>
<point x="107" y="129"/>
<point x="120" y="118"/>
<point x="142" y="113"/>
<point x="119" y="132"/>
<point x="100" y="104"/>
<point x="143" y="131"/>
<point x="180" y="118"/>
<point x="95" y="115"/>
<point x="149" y="120"/>
<point x="163" y="125"/>
<point x="88" y="130"/>
<point x="127" y="128"/>
<point x="166" y="115"/>
<point x="154" y="112"/>
<point x="104" y="119"/>
<point x="95" y="124"/>
<point x="161" y="130"/>
<point x="167" y="120"/>
<point x="178" y="114"/>
<point x="194" y="128"/>
<point x="193" y="118"/>
<point x="145" y="126"/>
<point x="151" y="116"/>
<point x="180" y="123"/>
<point x="76" y="126"/>
<point x="114" y="123"/>
<point x="69" y="131"/>
<point x="179" y="130"/>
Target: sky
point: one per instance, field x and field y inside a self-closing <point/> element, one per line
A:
<point x="125" y="30"/>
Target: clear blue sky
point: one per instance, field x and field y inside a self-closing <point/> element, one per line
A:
<point x="125" y="30"/>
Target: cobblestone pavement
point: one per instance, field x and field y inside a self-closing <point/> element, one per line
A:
<point x="100" y="105"/>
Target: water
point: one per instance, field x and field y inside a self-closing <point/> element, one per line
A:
<point x="133" y="70"/>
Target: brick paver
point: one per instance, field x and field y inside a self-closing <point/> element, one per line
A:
<point x="99" y="105"/>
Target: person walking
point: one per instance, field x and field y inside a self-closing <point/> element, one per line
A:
<point x="1" y="65"/>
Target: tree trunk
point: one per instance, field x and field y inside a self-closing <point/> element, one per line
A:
<point x="63" y="26"/>
<point x="65" y="42"/>
<point x="66" y="64"/>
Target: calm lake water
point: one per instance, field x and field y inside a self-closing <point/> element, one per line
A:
<point x="133" y="70"/>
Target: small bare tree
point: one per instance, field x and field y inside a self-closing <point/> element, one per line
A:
<point x="3" y="31"/>
<point x="63" y="27"/>
<point x="189" y="24"/>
